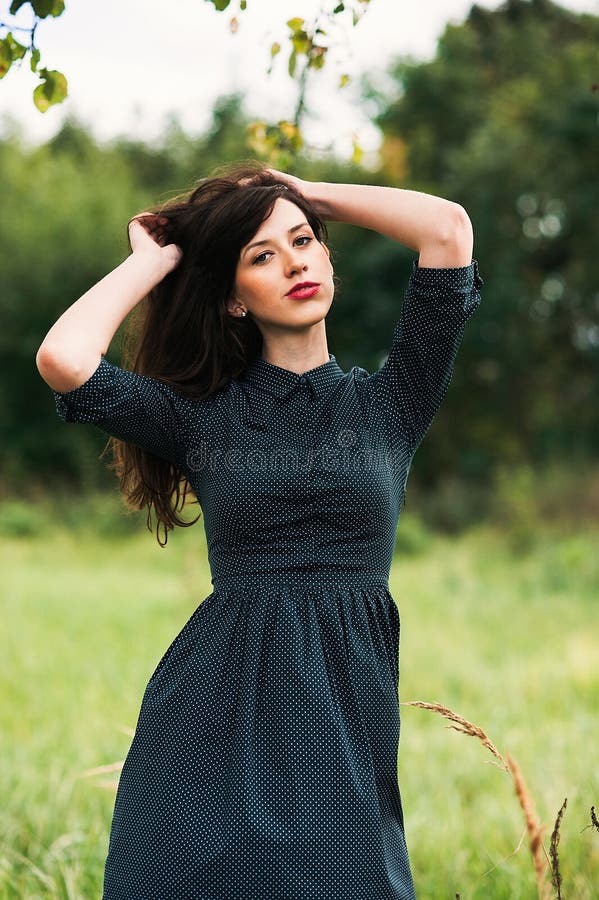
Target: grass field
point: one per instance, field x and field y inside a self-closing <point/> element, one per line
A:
<point x="509" y="640"/>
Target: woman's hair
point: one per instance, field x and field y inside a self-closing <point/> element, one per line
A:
<point x="182" y="333"/>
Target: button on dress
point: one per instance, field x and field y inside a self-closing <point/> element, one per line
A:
<point x="264" y="760"/>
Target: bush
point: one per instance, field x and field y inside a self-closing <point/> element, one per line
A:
<point x="453" y="506"/>
<point x="102" y="512"/>
<point x="21" y="519"/>
<point x="413" y="538"/>
<point x="515" y="505"/>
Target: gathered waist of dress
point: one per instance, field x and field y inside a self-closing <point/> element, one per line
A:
<point x="298" y="580"/>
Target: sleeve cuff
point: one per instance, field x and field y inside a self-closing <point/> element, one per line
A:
<point x="65" y="400"/>
<point x="457" y="278"/>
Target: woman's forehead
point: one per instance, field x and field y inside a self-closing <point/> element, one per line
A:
<point x="284" y="215"/>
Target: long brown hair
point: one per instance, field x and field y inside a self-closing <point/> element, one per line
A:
<point x="182" y="332"/>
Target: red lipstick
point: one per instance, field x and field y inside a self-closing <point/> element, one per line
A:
<point x="303" y="290"/>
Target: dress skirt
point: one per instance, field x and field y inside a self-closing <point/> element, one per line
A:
<point x="264" y="761"/>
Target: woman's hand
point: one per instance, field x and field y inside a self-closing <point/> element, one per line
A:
<point x="308" y="189"/>
<point x="298" y="183"/>
<point x="147" y="236"/>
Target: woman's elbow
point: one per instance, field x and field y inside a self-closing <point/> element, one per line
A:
<point x="459" y="226"/>
<point x="55" y="371"/>
<point x="453" y="245"/>
<point x="459" y="238"/>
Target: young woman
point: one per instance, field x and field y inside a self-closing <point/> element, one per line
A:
<point x="264" y="761"/>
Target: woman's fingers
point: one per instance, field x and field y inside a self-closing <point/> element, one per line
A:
<point x="147" y="232"/>
<point x="152" y="224"/>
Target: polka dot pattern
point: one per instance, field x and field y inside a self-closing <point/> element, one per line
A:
<point x="264" y="760"/>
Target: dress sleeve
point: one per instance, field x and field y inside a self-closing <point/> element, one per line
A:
<point x="129" y="406"/>
<point x="412" y="384"/>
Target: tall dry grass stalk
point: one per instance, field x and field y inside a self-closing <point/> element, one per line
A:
<point x="533" y="826"/>
<point x="556" y="875"/>
<point x="463" y="726"/>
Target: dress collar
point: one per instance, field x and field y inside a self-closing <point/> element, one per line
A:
<point x="280" y="382"/>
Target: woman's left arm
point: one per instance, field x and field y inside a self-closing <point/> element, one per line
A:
<point x="440" y="230"/>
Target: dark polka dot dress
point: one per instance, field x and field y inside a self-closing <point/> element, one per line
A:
<point x="264" y="761"/>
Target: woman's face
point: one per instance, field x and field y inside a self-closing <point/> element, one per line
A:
<point x="287" y="254"/>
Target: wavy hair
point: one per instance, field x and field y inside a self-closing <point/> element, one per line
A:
<point x="182" y="333"/>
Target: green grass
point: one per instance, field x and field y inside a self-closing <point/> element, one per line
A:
<point x="509" y="640"/>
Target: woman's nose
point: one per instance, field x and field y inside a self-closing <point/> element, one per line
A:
<point x="294" y="264"/>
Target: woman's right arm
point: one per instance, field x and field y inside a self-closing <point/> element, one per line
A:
<point x="72" y="349"/>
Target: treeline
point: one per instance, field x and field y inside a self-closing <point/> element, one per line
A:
<point x="504" y="120"/>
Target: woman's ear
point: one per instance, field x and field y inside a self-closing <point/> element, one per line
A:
<point x="234" y="308"/>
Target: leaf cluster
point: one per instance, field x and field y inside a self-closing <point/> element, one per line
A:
<point x="53" y="87"/>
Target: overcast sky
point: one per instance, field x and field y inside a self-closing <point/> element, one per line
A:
<point x="132" y="62"/>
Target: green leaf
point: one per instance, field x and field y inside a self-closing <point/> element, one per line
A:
<point x="292" y="63"/>
<point x="339" y="8"/>
<point x="5" y="57"/>
<point x="300" y="41"/>
<point x="44" y="8"/>
<point x="10" y="50"/>
<point x="220" y="5"/>
<point x="295" y="24"/>
<point x="35" y="58"/>
<point x="18" y="50"/>
<point x="52" y="90"/>
<point x="16" y="5"/>
<point x="344" y="81"/>
<point x="243" y="5"/>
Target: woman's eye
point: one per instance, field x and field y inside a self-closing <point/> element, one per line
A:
<point x="302" y="237"/>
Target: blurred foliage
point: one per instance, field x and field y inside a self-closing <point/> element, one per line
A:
<point x="503" y="120"/>
<point x="21" y="519"/>
<point x="516" y="505"/>
<point x="413" y="538"/>
<point x="521" y="506"/>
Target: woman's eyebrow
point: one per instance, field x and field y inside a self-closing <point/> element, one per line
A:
<point x="268" y="240"/>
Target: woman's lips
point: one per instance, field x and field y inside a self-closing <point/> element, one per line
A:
<point x="302" y="293"/>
